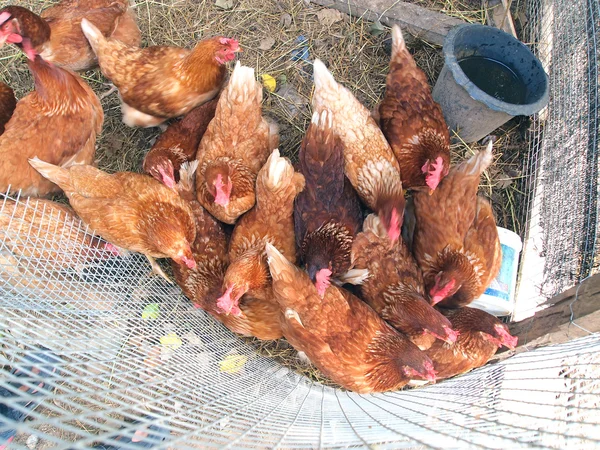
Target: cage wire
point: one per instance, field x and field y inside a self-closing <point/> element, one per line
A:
<point x="116" y="353"/>
<point x="561" y="172"/>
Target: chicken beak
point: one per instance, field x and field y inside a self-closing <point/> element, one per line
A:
<point x="430" y="191"/>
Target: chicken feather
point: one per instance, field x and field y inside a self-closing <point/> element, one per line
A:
<point x="342" y="336"/>
<point x="370" y="164"/>
<point x="58" y="122"/>
<point x="412" y="122"/>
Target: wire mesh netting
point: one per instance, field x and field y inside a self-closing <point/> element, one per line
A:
<point x="118" y="354"/>
<point x="562" y="168"/>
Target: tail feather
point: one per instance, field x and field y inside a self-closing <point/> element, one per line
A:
<point x="92" y="33"/>
<point x="242" y="84"/>
<point x="186" y="176"/>
<point x="319" y="145"/>
<point x="278" y="171"/>
<point x="324" y="83"/>
<point x="477" y="163"/>
<point x="323" y="77"/>
<point x="273" y="135"/>
<point x="56" y="174"/>
<point x="278" y="264"/>
<point x="354" y="276"/>
<point x="373" y="224"/>
<point x="398" y="42"/>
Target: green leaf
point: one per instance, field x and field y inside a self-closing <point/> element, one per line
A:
<point x="171" y="341"/>
<point x="233" y="363"/>
<point x="151" y="311"/>
<point x="376" y="28"/>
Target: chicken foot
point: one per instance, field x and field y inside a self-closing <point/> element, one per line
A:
<point x="112" y="89"/>
<point x="157" y="270"/>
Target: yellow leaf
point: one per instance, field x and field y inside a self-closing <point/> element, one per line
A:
<point x="171" y="341"/>
<point x="269" y="82"/>
<point x="233" y="363"/>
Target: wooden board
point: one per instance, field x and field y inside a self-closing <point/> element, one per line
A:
<point x="422" y="23"/>
<point x="554" y="325"/>
<point x="499" y="16"/>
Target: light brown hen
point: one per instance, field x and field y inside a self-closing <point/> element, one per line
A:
<point x="271" y="220"/>
<point x="342" y="336"/>
<point x="455" y="237"/>
<point x="235" y="146"/>
<point x="130" y="210"/>
<point x="56" y="33"/>
<point x="158" y="83"/>
<point x="58" y="122"/>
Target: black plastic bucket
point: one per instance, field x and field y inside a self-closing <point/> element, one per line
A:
<point x="468" y="109"/>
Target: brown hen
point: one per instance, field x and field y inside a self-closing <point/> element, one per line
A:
<point x="158" y="83"/>
<point x="342" y="336"/>
<point x="202" y="284"/>
<point x="57" y="250"/>
<point x="327" y="213"/>
<point x="480" y="337"/>
<point x="8" y="103"/>
<point x="394" y="288"/>
<point x="235" y="146"/>
<point x="455" y="237"/>
<point x="58" y="122"/>
<point x="178" y="144"/>
<point x="56" y="33"/>
<point x="130" y="210"/>
<point x="412" y="122"/>
<point x="370" y="164"/>
<point x="271" y="220"/>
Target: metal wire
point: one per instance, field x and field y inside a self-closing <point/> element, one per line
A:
<point x="103" y="321"/>
<point x="562" y="169"/>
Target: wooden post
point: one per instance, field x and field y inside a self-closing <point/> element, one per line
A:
<point x="421" y="22"/>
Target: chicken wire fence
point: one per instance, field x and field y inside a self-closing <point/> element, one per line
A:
<point x="116" y="354"/>
<point x="561" y="172"/>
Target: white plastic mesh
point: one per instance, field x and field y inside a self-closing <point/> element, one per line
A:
<point x="90" y="317"/>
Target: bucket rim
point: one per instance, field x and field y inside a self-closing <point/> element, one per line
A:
<point x="478" y="94"/>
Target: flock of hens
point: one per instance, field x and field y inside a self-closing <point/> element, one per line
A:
<point x="299" y="233"/>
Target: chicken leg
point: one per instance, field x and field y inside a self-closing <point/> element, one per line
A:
<point x="157" y="270"/>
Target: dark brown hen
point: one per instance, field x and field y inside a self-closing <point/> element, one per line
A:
<point x="394" y="288"/>
<point x="178" y="144"/>
<point x="480" y="337"/>
<point x="327" y="214"/>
